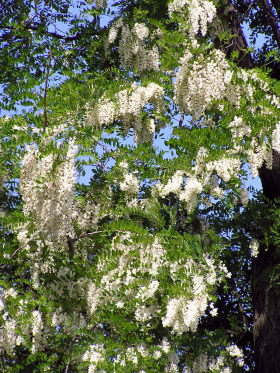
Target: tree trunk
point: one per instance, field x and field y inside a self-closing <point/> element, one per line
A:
<point x="266" y="308"/>
<point x="265" y="279"/>
<point x="266" y="287"/>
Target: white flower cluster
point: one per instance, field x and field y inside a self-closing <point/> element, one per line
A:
<point x="174" y="185"/>
<point x="135" y="261"/>
<point x="8" y="334"/>
<point x="183" y="314"/>
<point x="129" y="356"/>
<point x="86" y="215"/>
<point x="192" y="188"/>
<point x="173" y="365"/>
<point x="225" y="168"/>
<point x="92" y="297"/>
<point x="48" y="194"/>
<point x="213" y="310"/>
<point x="141" y="30"/>
<point x="203" y="174"/>
<point x="200" y="13"/>
<point x="127" y="272"/>
<point x="68" y="322"/>
<point x="254" y="247"/>
<point x="206" y="363"/>
<point x="257" y="155"/>
<point x="276" y="138"/>
<point x="130" y="183"/>
<point x="200" y="82"/>
<point x="238" y="128"/>
<point x="187" y="193"/>
<point x="235" y="351"/>
<point x="132" y="354"/>
<point x="127" y="106"/>
<point x="37" y="331"/>
<point x="94" y="356"/>
<point x="134" y="51"/>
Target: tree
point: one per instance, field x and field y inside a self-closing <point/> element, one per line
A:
<point x="160" y="261"/>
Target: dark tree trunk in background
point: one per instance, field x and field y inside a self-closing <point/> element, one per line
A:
<point x="266" y="286"/>
<point x="265" y="281"/>
<point x="266" y="303"/>
<point x="266" y="267"/>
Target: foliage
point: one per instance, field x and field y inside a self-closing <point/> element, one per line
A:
<point x="126" y="224"/>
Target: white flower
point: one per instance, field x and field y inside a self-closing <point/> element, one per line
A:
<point x="48" y="194"/>
<point x="165" y="345"/>
<point x="94" y="355"/>
<point x="254" y="247"/>
<point x="200" y="82"/>
<point x="192" y="188"/>
<point x="120" y="304"/>
<point x="200" y="12"/>
<point x="213" y="310"/>
<point x="113" y="33"/>
<point x="276" y="138"/>
<point x="235" y="351"/>
<point x="130" y="184"/>
<point x="174" y="185"/>
<point x="141" y="30"/>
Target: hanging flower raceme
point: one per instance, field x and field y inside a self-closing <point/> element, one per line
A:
<point x="128" y="106"/>
<point x="199" y="13"/>
<point x="134" y="50"/>
<point x="200" y="81"/>
<point x="48" y="193"/>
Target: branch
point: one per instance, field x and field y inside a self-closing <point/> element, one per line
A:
<point x="87" y="234"/>
<point x="36" y="26"/>
<point x="181" y="121"/>
<point x="56" y="35"/>
<point x="239" y="41"/>
<point x="15" y="253"/>
<point x="70" y="243"/>
<point x="272" y="20"/>
<point x="46" y="88"/>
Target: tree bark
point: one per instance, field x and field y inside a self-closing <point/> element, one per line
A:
<point x="266" y="308"/>
<point x="266" y="286"/>
<point x="272" y="17"/>
<point x="265" y="283"/>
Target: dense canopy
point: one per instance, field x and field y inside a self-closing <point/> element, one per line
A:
<point x="134" y="237"/>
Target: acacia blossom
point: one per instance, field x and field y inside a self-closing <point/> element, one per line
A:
<point x="48" y="193"/>
<point x="201" y="81"/>
<point x="134" y="51"/>
<point x="200" y="12"/>
<point x="127" y="106"/>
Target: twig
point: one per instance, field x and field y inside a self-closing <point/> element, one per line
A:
<point x="70" y="243"/>
<point x="46" y="87"/>
<point x="87" y="234"/>
<point x="15" y="253"/>
<point x="66" y="369"/>
<point x="181" y="121"/>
